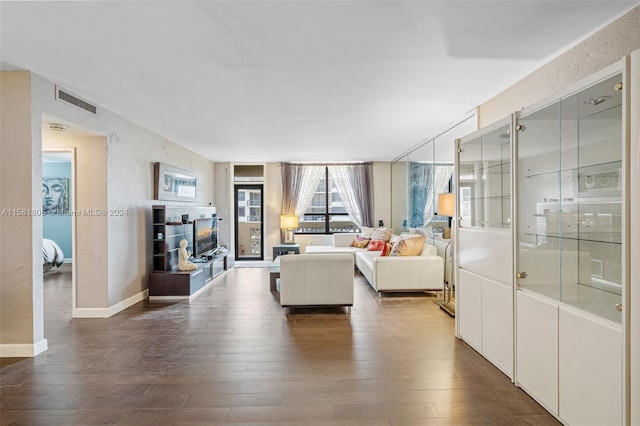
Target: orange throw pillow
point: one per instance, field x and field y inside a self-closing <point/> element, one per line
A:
<point x="411" y="246"/>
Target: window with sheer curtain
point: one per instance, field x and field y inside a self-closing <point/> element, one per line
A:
<point x="328" y="198"/>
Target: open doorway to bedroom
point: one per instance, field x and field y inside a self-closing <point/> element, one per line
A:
<point x="81" y="218"/>
<point x="58" y="224"/>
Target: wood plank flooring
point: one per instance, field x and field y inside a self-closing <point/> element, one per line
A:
<point x="233" y="357"/>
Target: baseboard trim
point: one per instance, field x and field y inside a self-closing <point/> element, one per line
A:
<point x="23" y="350"/>
<point x="112" y="310"/>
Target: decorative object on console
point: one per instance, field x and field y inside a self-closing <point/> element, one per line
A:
<point x="447" y="207"/>
<point x="183" y="257"/>
<point x="288" y="223"/>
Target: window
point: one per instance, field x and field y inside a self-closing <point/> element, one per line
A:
<point x="327" y="213"/>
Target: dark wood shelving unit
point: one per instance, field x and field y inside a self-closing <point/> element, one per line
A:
<point x="165" y="279"/>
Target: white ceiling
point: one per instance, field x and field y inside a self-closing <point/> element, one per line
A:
<point x="293" y="80"/>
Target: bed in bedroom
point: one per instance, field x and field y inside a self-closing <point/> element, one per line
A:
<point x="52" y="255"/>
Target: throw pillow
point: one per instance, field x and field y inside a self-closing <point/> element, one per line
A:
<point x="376" y="245"/>
<point x="386" y="250"/>
<point x="383" y="234"/>
<point x="396" y="239"/>
<point x="360" y="242"/>
<point x="411" y="246"/>
<point x="399" y="243"/>
<point x="365" y="232"/>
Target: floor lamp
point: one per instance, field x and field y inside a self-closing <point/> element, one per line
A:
<point x="447" y="207"/>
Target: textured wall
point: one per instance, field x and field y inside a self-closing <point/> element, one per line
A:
<point x="223" y="202"/>
<point x="21" y="303"/>
<point x="602" y="49"/>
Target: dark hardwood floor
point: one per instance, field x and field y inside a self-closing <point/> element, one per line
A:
<point x="233" y="357"/>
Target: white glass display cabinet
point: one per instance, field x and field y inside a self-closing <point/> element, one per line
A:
<point x="571" y="249"/>
<point x="485" y="243"/>
<point x="570" y="198"/>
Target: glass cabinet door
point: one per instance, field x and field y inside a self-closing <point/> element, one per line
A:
<point x="496" y="160"/>
<point x="570" y="182"/>
<point x="484" y="180"/>
<point x="470" y="187"/>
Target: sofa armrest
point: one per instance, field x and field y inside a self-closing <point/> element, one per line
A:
<point x="343" y="239"/>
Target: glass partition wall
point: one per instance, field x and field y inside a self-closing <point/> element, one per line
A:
<point x="417" y="179"/>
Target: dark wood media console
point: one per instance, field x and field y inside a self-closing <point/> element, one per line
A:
<point x="165" y="280"/>
<point x="186" y="283"/>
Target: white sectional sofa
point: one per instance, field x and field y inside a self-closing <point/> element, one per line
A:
<point x="390" y="273"/>
<point x="307" y="280"/>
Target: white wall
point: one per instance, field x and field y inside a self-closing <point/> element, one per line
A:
<point x="382" y="193"/>
<point x="224" y="203"/>
<point x="21" y="302"/>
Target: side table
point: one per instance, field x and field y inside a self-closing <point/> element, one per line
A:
<point x="282" y="249"/>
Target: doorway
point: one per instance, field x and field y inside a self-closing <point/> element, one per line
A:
<point x="249" y="229"/>
<point x="58" y="229"/>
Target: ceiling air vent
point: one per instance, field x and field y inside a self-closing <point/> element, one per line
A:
<point x="64" y="96"/>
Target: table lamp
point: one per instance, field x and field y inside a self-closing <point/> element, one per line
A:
<point x="288" y="223"/>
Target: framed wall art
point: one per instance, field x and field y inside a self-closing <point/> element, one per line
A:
<point x="174" y="184"/>
<point x="55" y="195"/>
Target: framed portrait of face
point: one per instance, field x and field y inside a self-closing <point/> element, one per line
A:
<point x="55" y="195"/>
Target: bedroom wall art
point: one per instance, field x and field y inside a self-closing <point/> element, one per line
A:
<point x="55" y="196"/>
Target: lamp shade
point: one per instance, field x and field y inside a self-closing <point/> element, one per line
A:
<point x="288" y="221"/>
<point x="446" y="204"/>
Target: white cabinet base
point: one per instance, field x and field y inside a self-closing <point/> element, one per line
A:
<point x="590" y="366"/>
<point x="468" y="297"/>
<point x="537" y="350"/>
<point x="497" y="325"/>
